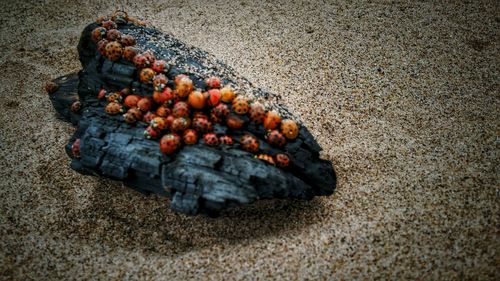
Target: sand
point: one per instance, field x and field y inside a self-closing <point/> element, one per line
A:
<point x="403" y="97"/>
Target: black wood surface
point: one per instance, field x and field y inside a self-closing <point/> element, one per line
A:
<point x="198" y="178"/>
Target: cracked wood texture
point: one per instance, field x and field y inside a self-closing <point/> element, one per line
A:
<point x="197" y="178"/>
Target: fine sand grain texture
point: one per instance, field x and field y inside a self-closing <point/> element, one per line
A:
<point x="403" y="96"/>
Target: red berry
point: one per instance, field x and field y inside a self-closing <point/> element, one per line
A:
<point x="101" y="47"/>
<point x="51" y="87"/>
<point x="102" y="94"/>
<point x="163" y="111"/>
<point x="159" y="123"/>
<point x="140" y="61"/>
<point x="180" y="124"/>
<point x="272" y="120"/>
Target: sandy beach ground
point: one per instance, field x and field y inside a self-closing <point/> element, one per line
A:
<point x="403" y="96"/>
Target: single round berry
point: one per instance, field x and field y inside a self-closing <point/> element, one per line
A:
<point x="240" y="105"/>
<point x="164" y="97"/>
<point x="130" y="52"/>
<point x="211" y="139"/>
<point x="272" y="120"/>
<point x="227" y="140"/>
<point x="114" y="35"/>
<point x="249" y="143"/>
<point x="276" y="138"/>
<point x="146" y="76"/>
<point x="213" y="82"/>
<point x="169" y="143"/>
<point x="257" y="113"/>
<point x="227" y="94"/>
<point x="114" y="108"/>
<point x="114" y="51"/>
<point x="140" y="61"/>
<point x="190" y="136"/>
<point x="290" y="129"/>
<point x="98" y="34"/>
<point x="282" y="160"/>
<point x="159" y="82"/>
<point x="127" y="40"/>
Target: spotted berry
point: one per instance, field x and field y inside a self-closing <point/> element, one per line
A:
<point x="109" y="25"/>
<point x="181" y="109"/>
<point x="202" y="125"/>
<point x="114" y="108"/>
<point x="101" y="46"/>
<point x="75" y="148"/>
<point x="151" y="133"/>
<point x="257" y="113"/>
<point x="129" y="53"/>
<point x="160" y="66"/>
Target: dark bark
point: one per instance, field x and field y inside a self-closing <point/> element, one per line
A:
<point x="198" y="178"/>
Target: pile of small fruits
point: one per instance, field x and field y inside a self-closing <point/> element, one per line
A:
<point x="183" y="114"/>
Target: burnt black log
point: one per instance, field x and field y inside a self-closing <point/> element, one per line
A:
<point x="198" y="178"/>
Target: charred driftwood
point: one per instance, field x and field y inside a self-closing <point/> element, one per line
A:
<point x="198" y="178"/>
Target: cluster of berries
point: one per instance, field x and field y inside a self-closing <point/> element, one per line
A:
<point x="183" y="114"/>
